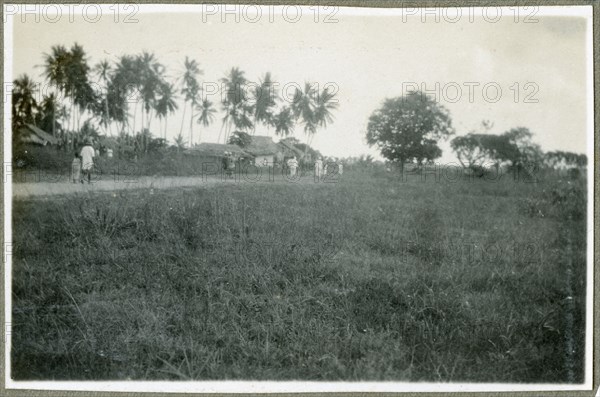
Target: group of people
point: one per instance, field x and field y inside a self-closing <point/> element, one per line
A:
<point x="322" y="169"/>
<point x="292" y="164"/>
<point x="83" y="163"/>
<point x="228" y="163"/>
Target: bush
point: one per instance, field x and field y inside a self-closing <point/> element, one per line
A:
<point x="570" y="199"/>
<point x="564" y="200"/>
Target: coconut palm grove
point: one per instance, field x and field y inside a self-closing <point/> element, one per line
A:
<point x="130" y="101"/>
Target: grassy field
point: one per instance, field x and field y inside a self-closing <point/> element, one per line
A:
<point x="370" y="278"/>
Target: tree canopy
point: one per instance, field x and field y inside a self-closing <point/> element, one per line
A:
<point x="514" y="147"/>
<point x="240" y="138"/>
<point x="139" y="85"/>
<point x="409" y="128"/>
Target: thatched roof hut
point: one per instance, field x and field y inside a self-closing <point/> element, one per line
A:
<point x="262" y="146"/>
<point x="289" y="150"/>
<point x="214" y="150"/>
<point x="32" y="134"/>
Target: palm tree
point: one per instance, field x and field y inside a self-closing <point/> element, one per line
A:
<point x="284" y="122"/>
<point x="55" y="65"/>
<point x="235" y="103"/>
<point x="123" y="89"/>
<point x="206" y="113"/>
<point x="50" y="110"/>
<point x="314" y="109"/>
<point x="264" y="102"/>
<point x="77" y="80"/>
<point x="166" y="104"/>
<point x="180" y="142"/>
<point x="325" y="103"/>
<point x="190" y="89"/>
<point x="303" y="108"/>
<point x="150" y="81"/>
<point x="237" y="116"/>
<point x="24" y="105"/>
<point x="103" y="70"/>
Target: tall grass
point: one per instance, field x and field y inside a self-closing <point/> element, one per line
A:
<point x="366" y="279"/>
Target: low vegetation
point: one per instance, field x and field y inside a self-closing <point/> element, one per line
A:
<point x="370" y="278"/>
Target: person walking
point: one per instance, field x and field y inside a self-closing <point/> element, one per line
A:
<point x="318" y="169"/>
<point x="76" y="169"/>
<point x="87" y="160"/>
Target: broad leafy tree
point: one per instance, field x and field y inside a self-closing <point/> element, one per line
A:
<point x="555" y="159"/>
<point x="409" y="128"/>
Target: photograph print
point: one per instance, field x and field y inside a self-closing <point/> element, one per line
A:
<point x="291" y="198"/>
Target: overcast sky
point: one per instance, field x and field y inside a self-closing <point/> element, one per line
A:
<point x="368" y="57"/>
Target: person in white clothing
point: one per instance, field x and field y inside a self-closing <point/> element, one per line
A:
<point x="87" y="160"/>
<point x="293" y="166"/>
<point x="318" y="168"/>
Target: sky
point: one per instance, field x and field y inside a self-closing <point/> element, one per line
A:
<point x="517" y="68"/>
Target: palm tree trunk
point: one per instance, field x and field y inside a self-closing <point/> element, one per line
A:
<point x="133" y="126"/>
<point x="191" y="122"/>
<point x="75" y="117"/>
<point x="72" y="117"/>
<point x="183" y="118"/>
<point x="142" y="114"/>
<point x="107" y="115"/>
<point x="227" y="128"/>
<point x="149" y="117"/>
<point x="79" y="115"/>
<point x="220" y="131"/>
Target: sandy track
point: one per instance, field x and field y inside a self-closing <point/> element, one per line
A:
<point x="34" y="189"/>
<point x="29" y="189"/>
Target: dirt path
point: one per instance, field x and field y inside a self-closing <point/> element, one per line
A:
<point x="22" y="190"/>
<point x="33" y="189"/>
